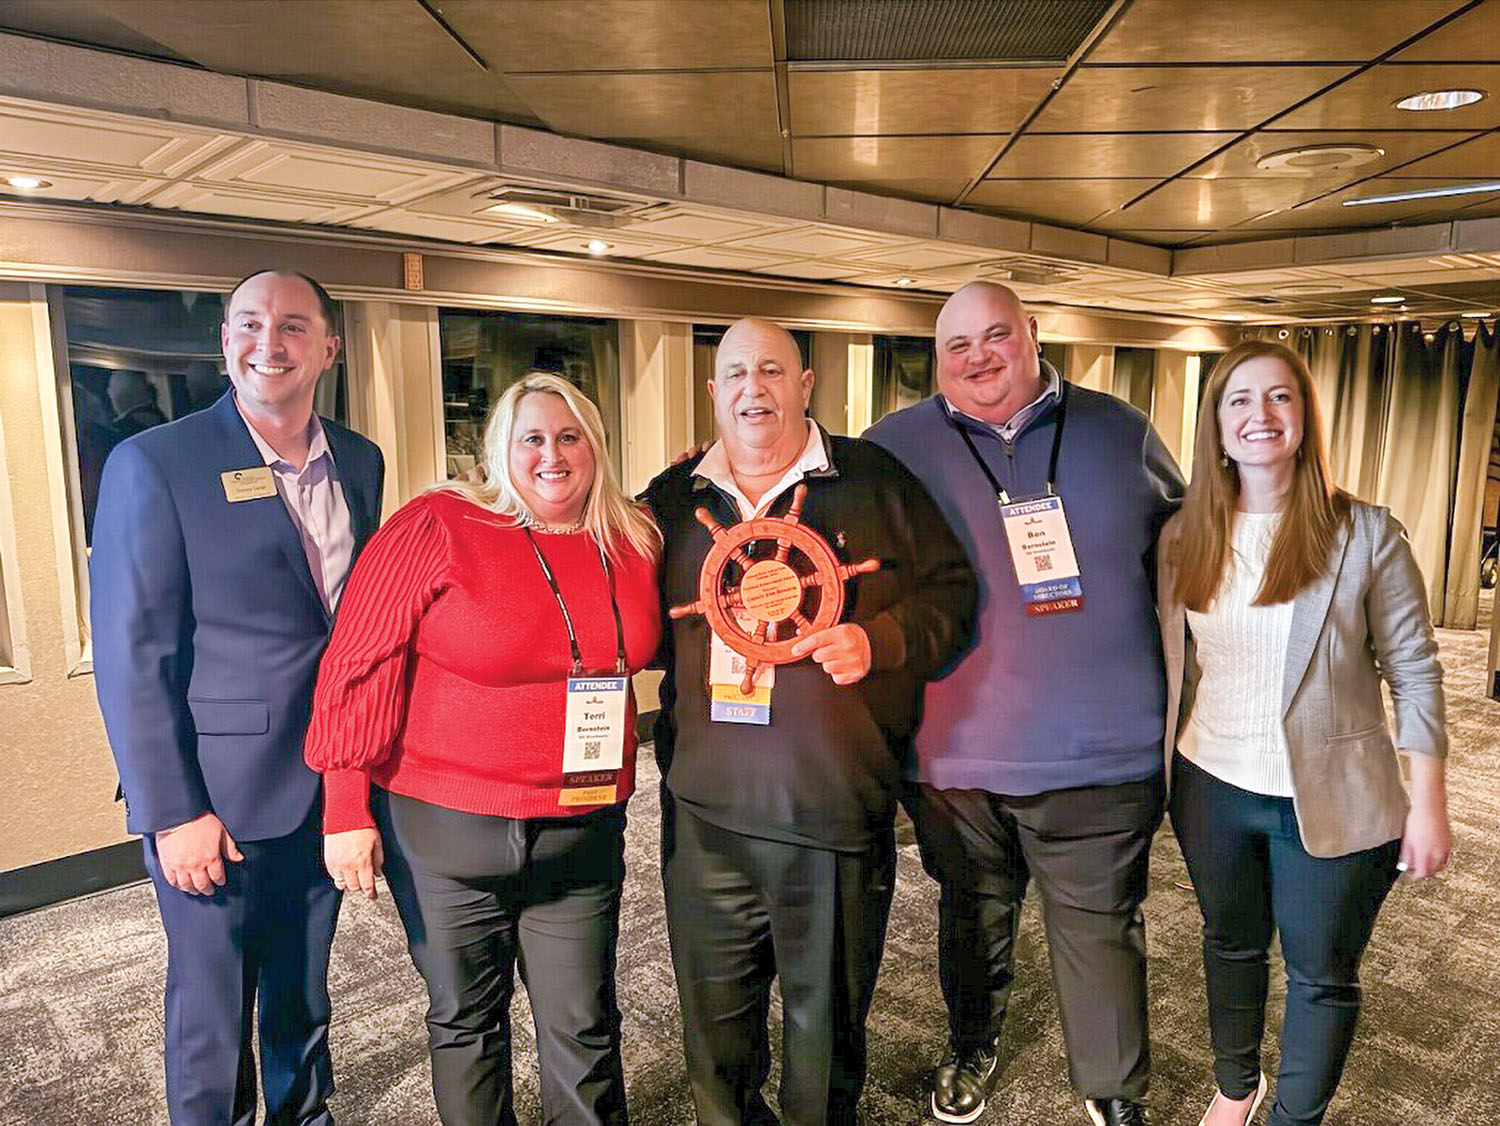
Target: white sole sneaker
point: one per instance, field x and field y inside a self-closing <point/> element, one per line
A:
<point x="960" y="1119"/>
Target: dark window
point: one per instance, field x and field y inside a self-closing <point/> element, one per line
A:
<point x="138" y="358"/>
<point x="485" y="351"/>
<point x="903" y="373"/>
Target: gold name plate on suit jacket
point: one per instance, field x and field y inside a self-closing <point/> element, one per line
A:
<point x="776" y="572"/>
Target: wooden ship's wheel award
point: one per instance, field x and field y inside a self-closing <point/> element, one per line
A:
<point x="778" y="573"/>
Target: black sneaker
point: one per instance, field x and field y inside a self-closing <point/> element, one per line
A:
<point x="1117" y="1112"/>
<point x="962" y="1083"/>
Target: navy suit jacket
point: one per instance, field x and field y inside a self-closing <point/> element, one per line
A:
<point x="207" y="626"/>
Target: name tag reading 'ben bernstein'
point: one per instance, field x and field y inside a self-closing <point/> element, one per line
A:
<point x="248" y="484"/>
<point x="594" y="739"/>
<point x="1041" y="551"/>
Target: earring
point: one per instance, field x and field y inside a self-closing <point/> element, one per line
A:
<point x="1223" y="460"/>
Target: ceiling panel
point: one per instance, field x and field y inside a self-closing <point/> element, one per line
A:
<point x="1157" y="155"/>
<point x="439" y="227"/>
<point x="1189" y="99"/>
<point x="815" y="270"/>
<point x="1167" y="31"/>
<point x="1239" y="160"/>
<point x="926" y="256"/>
<point x="571" y="35"/>
<point x="1208" y="204"/>
<point x="871" y="102"/>
<point x="1331" y="210"/>
<point x="1368" y="101"/>
<point x="718" y="258"/>
<point x="925" y="189"/>
<point x="312" y="171"/>
<point x="575" y="240"/>
<point x="716" y="117"/>
<point x="1475" y="35"/>
<point x="1074" y="202"/>
<point x="698" y="226"/>
<point x="1478" y="157"/>
<point x="26" y="133"/>
<point x="341" y="45"/>
<point x="852" y="159"/>
<point x="222" y="200"/>
<point x="818" y="241"/>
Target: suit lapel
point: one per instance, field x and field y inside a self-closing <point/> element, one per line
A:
<point x="1309" y="609"/>
<point x="358" y="489"/>
<point x="268" y="519"/>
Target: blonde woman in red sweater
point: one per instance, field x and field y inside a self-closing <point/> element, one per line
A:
<point x="475" y="730"/>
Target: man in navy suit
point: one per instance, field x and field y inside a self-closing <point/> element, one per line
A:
<point x="221" y="544"/>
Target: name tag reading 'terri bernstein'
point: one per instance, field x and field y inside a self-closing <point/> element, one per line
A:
<point x="593" y="739"/>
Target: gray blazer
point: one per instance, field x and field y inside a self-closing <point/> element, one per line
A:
<point x="1364" y="619"/>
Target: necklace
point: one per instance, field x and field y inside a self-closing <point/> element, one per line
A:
<point x="554" y="529"/>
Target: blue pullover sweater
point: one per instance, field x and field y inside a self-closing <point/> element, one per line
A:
<point x="1062" y="700"/>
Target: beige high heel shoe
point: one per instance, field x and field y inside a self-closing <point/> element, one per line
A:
<point x="1260" y="1097"/>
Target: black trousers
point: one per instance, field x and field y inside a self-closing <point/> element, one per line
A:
<point x="261" y="941"/>
<point x="479" y="894"/>
<point x="740" y="911"/>
<point x="1253" y="876"/>
<point x="1088" y="850"/>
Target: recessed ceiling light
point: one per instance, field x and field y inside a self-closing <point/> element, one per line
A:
<point x="1390" y="300"/>
<point x="906" y="281"/>
<point x="1426" y="100"/>
<point x="598" y="246"/>
<point x="522" y="211"/>
<point x="1427" y="193"/>
<point x="27" y="183"/>
<point x="1319" y="158"/>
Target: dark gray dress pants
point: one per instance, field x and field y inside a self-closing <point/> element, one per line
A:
<point x="478" y="896"/>
<point x="1088" y="850"/>
<point x="742" y="910"/>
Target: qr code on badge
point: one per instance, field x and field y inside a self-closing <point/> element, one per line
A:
<point x="1044" y="561"/>
<point x="592" y="748"/>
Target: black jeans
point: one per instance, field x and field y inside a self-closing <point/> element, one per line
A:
<point x="478" y="894"/>
<point x="1252" y="875"/>
<point x="1088" y="849"/>
<point x="742" y="910"/>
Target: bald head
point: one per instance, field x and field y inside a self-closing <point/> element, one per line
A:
<point x="760" y="392"/>
<point x="988" y="362"/>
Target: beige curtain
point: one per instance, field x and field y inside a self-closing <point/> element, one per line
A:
<point x="1481" y="398"/>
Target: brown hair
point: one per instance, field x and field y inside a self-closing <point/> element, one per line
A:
<point x="1314" y="506"/>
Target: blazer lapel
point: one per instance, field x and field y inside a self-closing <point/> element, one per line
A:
<point x="272" y="519"/>
<point x="1309" y="609"/>
<point x="358" y="489"/>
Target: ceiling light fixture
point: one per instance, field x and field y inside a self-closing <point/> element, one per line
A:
<point x="27" y="183"/>
<point x="1319" y="158"/>
<point x="1426" y="100"/>
<point x="1474" y="316"/>
<point x="598" y="246"/>
<point x="906" y="281"/>
<point x="1390" y="300"/>
<point x="523" y="212"/>
<point x="1427" y="193"/>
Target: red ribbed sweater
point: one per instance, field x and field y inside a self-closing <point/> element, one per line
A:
<point x="445" y="676"/>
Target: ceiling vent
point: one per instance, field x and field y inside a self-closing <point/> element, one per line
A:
<point x="1015" y="31"/>
<point x="553" y="204"/>
<point x="1029" y="271"/>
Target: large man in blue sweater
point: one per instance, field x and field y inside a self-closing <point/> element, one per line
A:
<point x="1040" y="752"/>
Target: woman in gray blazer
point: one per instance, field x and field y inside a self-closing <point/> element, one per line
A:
<point x="1283" y="602"/>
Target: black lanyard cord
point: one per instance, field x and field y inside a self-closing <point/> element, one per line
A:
<point x="1061" y="417"/>
<point x="609" y="582"/>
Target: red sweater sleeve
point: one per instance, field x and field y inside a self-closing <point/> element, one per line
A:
<point x="360" y="698"/>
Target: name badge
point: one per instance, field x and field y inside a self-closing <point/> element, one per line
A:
<point x="594" y="739"/>
<point x="726" y="672"/>
<point x="1041" y="552"/>
<point x="248" y="484"/>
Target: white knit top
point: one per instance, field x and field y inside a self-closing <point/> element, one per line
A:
<point x="1235" y="730"/>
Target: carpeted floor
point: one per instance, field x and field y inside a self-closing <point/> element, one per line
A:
<point x="81" y="1027"/>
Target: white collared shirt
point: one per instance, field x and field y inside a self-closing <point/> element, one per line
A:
<point x="1051" y="388"/>
<point x="318" y="509"/>
<point x="714" y="468"/>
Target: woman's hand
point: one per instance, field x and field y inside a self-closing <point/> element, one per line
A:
<point x="1427" y="838"/>
<point x="354" y="858"/>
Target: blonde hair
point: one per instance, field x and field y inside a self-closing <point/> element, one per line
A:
<point x="1314" y="505"/>
<point x="608" y="514"/>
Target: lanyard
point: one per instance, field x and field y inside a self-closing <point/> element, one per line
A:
<point x="609" y="582"/>
<point x="1061" y="415"/>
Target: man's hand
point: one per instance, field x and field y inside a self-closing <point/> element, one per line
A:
<point x="354" y="858"/>
<point x="691" y="452"/>
<point x="192" y="855"/>
<point x="843" y="651"/>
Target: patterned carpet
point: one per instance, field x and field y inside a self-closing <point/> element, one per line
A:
<point x="81" y="1028"/>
